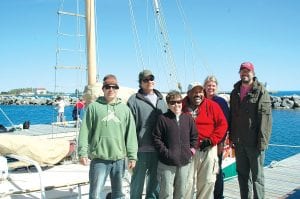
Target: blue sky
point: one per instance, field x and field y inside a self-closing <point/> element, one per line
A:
<point x="215" y="38"/>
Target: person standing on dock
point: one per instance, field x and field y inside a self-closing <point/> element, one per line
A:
<point x="79" y="105"/>
<point x="175" y="139"/>
<point x="107" y="136"/>
<point x="60" y="105"/>
<point x="210" y="90"/>
<point x="146" y="105"/>
<point x="211" y="125"/>
<point x="250" y="130"/>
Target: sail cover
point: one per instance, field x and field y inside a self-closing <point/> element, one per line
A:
<point x="42" y="150"/>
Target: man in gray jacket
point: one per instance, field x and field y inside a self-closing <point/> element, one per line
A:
<point x="250" y="130"/>
<point x="146" y="105"/>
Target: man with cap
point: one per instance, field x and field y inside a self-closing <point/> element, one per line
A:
<point x="250" y="130"/>
<point x="146" y="105"/>
<point x="107" y="136"/>
<point x="211" y="125"/>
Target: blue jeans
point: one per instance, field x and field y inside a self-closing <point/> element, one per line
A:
<point x="145" y="166"/>
<point x="99" y="170"/>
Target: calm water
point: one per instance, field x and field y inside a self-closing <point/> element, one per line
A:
<point x="286" y="125"/>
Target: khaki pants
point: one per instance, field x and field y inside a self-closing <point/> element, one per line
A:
<point x="202" y="174"/>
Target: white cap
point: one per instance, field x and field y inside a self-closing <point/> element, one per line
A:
<point x="193" y="85"/>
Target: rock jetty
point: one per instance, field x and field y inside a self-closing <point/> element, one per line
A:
<point x="34" y="100"/>
<point x="278" y="102"/>
<point x="286" y="102"/>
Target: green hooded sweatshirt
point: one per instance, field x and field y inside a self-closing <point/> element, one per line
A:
<point x="108" y="132"/>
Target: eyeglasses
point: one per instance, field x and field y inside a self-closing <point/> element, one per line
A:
<point x="146" y="80"/>
<point x="115" y="87"/>
<point x="175" y="102"/>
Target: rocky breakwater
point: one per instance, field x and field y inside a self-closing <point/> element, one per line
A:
<point x="33" y="100"/>
<point x="286" y="102"/>
<point x="278" y="102"/>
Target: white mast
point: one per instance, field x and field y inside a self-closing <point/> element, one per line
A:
<point x="93" y="89"/>
<point x="91" y="41"/>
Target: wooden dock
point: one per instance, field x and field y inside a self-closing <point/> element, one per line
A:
<point x="282" y="180"/>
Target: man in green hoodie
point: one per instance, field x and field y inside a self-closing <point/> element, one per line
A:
<point x="107" y="136"/>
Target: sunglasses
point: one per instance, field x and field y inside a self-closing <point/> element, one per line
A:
<point x="175" y="102"/>
<point x="146" y="80"/>
<point x="115" y="87"/>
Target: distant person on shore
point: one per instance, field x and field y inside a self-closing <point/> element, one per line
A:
<point x="146" y="105"/>
<point x="210" y="91"/>
<point x="250" y="130"/>
<point x="175" y="139"/>
<point x="107" y="136"/>
<point x="211" y="125"/>
<point x="60" y="106"/>
<point x="77" y="110"/>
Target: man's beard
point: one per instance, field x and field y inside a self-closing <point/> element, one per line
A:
<point x="245" y="80"/>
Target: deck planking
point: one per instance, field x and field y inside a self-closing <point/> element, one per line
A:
<point x="282" y="180"/>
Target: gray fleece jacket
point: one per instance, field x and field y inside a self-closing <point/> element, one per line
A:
<point x="146" y="115"/>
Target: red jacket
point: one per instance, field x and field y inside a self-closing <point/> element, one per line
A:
<point x="210" y="122"/>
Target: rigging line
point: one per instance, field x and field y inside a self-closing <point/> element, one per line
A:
<point x="11" y="123"/>
<point x="159" y="54"/>
<point x="148" y="32"/>
<point x="157" y="50"/>
<point x="167" y="45"/>
<point x="137" y="43"/>
<point x="78" y="20"/>
<point x="190" y="34"/>
<point x="57" y="47"/>
<point x="285" y="145"/>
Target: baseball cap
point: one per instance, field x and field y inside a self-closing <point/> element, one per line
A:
<point x="194" y="85"/>
<point x="247" y="65"/>
<point x="110" y="80"/>
<point x="145" y="73"/>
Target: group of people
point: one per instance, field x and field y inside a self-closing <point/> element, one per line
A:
<point x="175" y="144"/>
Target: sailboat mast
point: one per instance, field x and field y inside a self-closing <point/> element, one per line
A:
<point x="91" y="41"/>
<point x="93" y="89"/>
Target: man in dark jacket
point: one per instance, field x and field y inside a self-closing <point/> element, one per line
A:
<point x="146" y="105"/>
<point x="250" y="130"/>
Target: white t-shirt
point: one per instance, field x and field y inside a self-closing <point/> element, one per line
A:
<point x="61" y="106"/>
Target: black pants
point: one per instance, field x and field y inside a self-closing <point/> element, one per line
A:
<point x="219" y="185"/>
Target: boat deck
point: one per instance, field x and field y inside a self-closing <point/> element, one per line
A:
<point x="54" y="130"/>
<point x="282" y="180"/>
